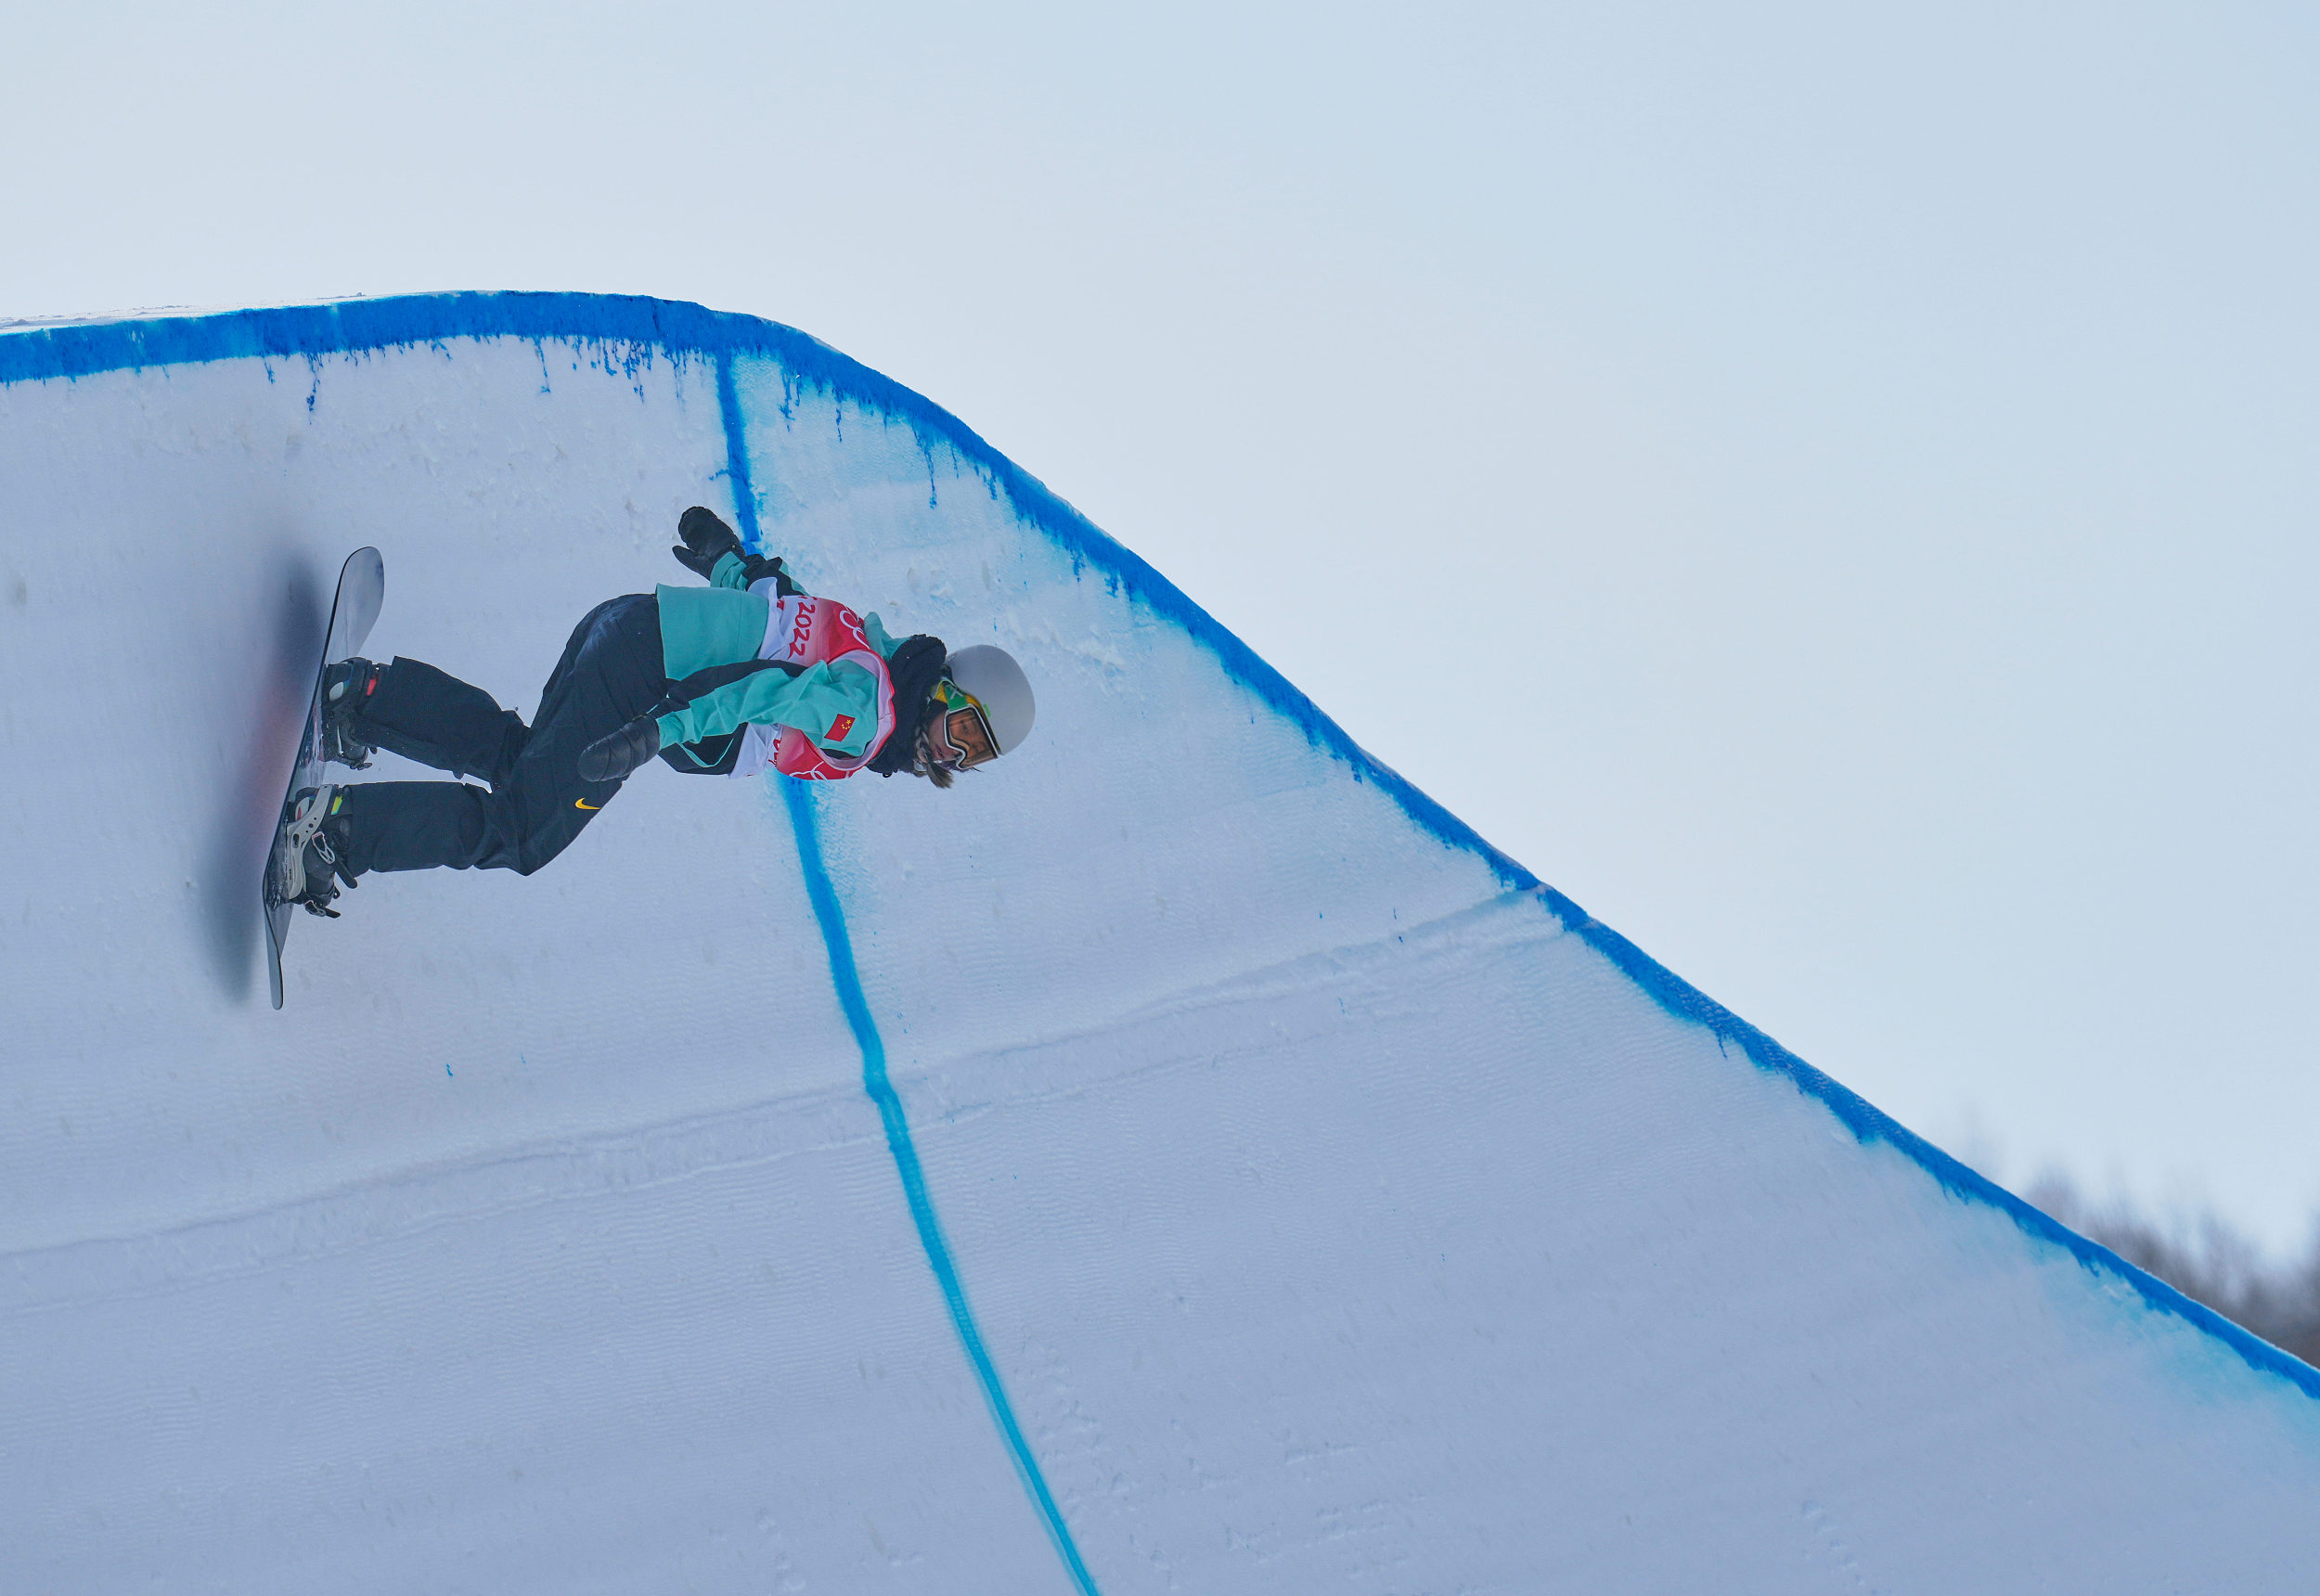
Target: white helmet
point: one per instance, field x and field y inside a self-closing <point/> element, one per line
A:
<point x="997" y="684"/>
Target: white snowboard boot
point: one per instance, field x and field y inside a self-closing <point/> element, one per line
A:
<point x="307" y="867"/>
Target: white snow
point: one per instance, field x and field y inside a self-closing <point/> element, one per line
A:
<point x="1334" y="1210"/>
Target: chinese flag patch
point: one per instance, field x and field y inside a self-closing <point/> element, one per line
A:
<point x="839" y="728"/>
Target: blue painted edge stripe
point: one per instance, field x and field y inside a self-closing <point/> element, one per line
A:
<point x="631" y="328"/>
<point x="848" y="981"/>
<point x="830" y="915"/>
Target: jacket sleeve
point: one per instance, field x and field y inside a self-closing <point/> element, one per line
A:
<point x="753" y="573"/>
<point x="875" y="630"/>
<point x="822" y="699"/>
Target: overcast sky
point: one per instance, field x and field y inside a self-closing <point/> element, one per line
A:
<point x="1835" y="493"/>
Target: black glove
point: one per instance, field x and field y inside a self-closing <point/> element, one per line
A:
<point x="612" y="758"/>
<point x="707" y="540"/>
<point x="757" y="567"/>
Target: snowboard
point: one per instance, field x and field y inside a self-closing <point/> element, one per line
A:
<point x="362" y="588"/>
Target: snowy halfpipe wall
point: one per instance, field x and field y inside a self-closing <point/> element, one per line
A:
<point x="1180" y="1158"/>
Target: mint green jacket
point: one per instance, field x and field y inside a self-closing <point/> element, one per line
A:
<point x="725" y="624"/>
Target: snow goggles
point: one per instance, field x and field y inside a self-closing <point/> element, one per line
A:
<point x="960" y="728"/>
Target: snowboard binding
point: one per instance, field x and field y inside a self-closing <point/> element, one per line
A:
<point x="309" y="868"/>
<point x="346" y="689"/>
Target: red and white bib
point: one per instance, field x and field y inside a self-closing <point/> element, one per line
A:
<point x="803" y="630"/>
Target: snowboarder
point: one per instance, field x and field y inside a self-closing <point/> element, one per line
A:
<point x="748" y="674"/>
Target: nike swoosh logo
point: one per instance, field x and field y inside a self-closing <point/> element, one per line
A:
<point x="583" y="803"/>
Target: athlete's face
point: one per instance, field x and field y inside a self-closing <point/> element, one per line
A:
<point x="961" y="740"/>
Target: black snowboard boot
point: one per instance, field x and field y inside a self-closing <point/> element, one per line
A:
<point x="312" y="861"/>
<point x="346" y="689"/>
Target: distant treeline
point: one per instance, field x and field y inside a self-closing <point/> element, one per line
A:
<point x="2207" y="1261"/>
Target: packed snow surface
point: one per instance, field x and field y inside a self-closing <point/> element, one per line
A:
<point x="1179" y="1158"/>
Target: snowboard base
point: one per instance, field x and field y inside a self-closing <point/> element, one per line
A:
<point x="362" y="588"/>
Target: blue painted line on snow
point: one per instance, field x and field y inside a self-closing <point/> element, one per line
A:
<point x="830" y="915"/>
<point x="628" y="332"/>
<point x="737" y="452"/>
<point x="848" y="981"/>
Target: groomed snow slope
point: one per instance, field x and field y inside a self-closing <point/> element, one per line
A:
<point x="1181" y="1158"/>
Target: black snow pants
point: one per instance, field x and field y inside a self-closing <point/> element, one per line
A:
<point x="611" y="673"/>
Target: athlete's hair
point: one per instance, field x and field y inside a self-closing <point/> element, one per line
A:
<point x="927" y="765"/>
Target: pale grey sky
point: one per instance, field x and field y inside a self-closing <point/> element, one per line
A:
<point x="1834" y="492"/>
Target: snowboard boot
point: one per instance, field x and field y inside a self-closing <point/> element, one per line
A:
<point x="311" y="864"/>
<point x="346" y="689"/>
